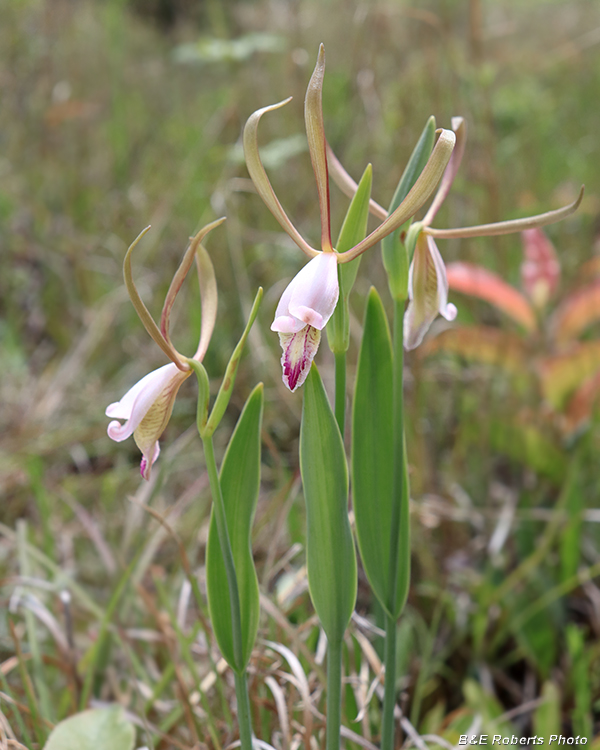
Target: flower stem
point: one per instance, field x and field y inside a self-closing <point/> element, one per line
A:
<point x="241" y="688"/>
<point x="389" y="698"/>
<point x="340" y="391"/>
<point x="243" y="709"/>
<point x="334" y="694"/>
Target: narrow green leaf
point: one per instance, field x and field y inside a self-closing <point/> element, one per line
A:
<point x="330" y="555"/>
<point x="226" y="388"/>
<point x="352" y="232"/>
<point x="240" y="479"/>
<point x="395" y="257"/>
<point x="96" y="729"/>
<point x="373" y="462"/>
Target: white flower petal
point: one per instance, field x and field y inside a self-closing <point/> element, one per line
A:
<point x="316" y="291"/>
<point x="310" y="297"/>
<point x="138" y="400"/>
<point x="428" y="292"/>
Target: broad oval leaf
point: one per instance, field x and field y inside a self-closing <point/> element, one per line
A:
<point x="576" y="312"/>
<point x="476" y="281"/>
<point x="240" y="479"/>
<point x="96" y="729"/>
<point x="330" y="554"/>
<point x="373" y="462"/>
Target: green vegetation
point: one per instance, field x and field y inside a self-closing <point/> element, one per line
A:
<point x="110" y="121"/>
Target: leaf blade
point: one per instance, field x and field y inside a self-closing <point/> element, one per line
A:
<point x="240" y="479"/>
<point x="330" y="554"/>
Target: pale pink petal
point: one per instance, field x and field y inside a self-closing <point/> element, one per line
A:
<point x="284" y="322"/>
<point x="136" y="403"/>
<point x="310" y="298"/>
<point x="299" y="350"/>
<point x="155" y="420"/>
<point x="428" y="292"/>
<point x="316" y="291"/>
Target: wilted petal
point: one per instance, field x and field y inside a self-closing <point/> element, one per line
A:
<point x="299" y="350"/>
<point x="428" y="292"/>
<point x="311" y="296"/>
<point x="147" y="408"/>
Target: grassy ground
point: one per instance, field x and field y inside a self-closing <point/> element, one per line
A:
<point x="109" y="122"/>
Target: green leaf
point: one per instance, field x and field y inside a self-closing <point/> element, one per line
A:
<point x="395" y="257"/>
<point x="373" y="463"/>
<point x="240" y="479"/>
<point x="96" y="729"/>
<point x="226" y="388"/>
<point x="547" y="716"/>
<point x="330" y="555"/>
<point x="354" y="229"/>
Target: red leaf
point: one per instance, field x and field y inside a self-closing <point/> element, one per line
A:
<point x="563" y="373"/>
<point x="577" y="311"/>
<point x="582" y="404"/>
<point x="479" y="282"/>
<point x="540" y="270"/>
<point x="481" y="344"/>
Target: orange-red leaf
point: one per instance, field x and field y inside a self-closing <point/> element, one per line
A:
<point x="576" y="312"/>
<point x="563" y="373"/>
<point x="583" y="402"/>
<point x="481" y="344"/>
<point x="479" y="282"/>
<point x="590" y="269"/>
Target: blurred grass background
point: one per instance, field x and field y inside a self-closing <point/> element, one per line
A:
<point x="123" y="113"/>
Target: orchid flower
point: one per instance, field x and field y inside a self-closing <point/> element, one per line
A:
<point x="310" y="299"/>
<point x="428" y="284"/>
<point x="147" y="407"/>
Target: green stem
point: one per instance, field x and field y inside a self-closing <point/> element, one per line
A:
<point x="389" y="698"/>
<point x="334" y="695"/>
<point x="243" y="709"/>
<point x="340" y="391"/>
<point x="241" y="688"/>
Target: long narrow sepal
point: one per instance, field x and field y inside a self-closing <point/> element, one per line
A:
<point x="459" y="126"/>
<point x="315" y="132"/>
<point x="330" y="554"/>
<point x="142" y="310"/>
<point x="229" y="378"/>
<point x="179" y="278"/>
<point x="417" y="196"/>
<point x="509" y="227"/>
<point x="208" y="300"/>
<point x="261" y="181"/>
<point x="239" y="479"/>
<point x="348" y="186"/>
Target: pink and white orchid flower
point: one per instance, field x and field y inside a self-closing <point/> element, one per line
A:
<point x="310" y="299"/>
<point x="147" y="407"/>
<point x="428" y="283"/>
<point x="303" y="311"/>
